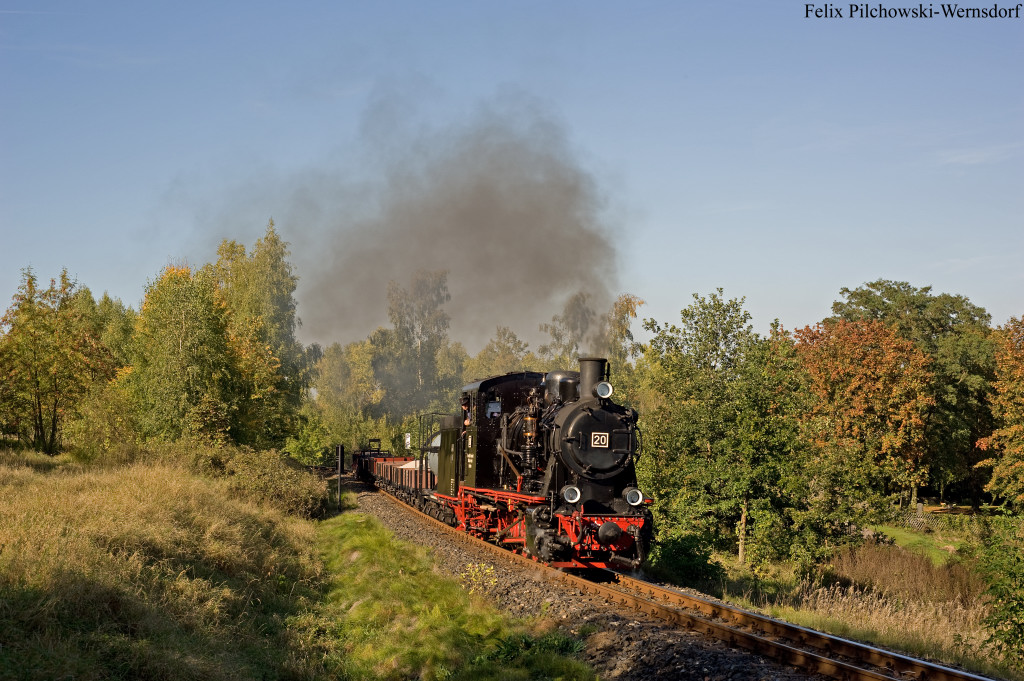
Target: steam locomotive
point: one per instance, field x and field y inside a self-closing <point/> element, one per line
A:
<point x="543" y="464"/>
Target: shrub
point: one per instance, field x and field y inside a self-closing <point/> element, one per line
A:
<point x="105" y="431"/>
<point x="312" y="443"/>
<point x="271" y="478"/>
<point x="684" y="557"/>
<point x="1001" y="560"/>
<point x="260" y="476"/>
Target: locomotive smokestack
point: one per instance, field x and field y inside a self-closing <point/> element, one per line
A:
<point x="593" y="370"/>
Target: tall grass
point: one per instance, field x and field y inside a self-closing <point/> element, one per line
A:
<point x="266" y="476"/>
<point x="145" y="572"/>
<point x="947" y="630"/>
<point x="890" y="596"/>
<point x="905" y="574"/>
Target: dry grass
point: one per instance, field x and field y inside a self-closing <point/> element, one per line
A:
<point x="267" y="477"/>
<point x="144" y="572"/>
<point x="948" y="631"/>
<point x="898" y="572"/>
<point x="889" y="596"/>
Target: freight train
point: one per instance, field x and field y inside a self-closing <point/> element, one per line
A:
<point x="543" y="464"/>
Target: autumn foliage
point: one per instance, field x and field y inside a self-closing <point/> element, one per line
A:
<point x="871" y="394"/>
<point x="1007" y="442"/>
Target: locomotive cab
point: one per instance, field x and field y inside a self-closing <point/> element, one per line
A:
<point x="469" y="455"/>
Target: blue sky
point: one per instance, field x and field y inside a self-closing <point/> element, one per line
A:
<point x="736" y="143"/>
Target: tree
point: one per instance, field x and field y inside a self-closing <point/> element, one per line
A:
<point x="767" y="454"/>
<point x="1006" y="444"/>
<point x="257" y="290"/>
<point x="51" y="354"/>
<point x="413" y="360"/>
<point x="450" y="364"/>
<point x="115" y="323"/>
<point x="375" y="387"/>
<point x="504" y="354"/>
<point x="620" y="347"/>
<point x="345" y="377"/>
<point x="691" y="367"/>
<point x="569" y="332"/>
<point x="183" y="375"/>
<point x="103" y="424"/>
<point x="954" y="334"/>
<point x="871" y="394"/>
<point x="348" y="394"/>
<point x="718" y="441"/>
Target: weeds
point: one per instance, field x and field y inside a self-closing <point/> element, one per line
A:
<point x="517" y="645"/>
<point x="949" y="630"/>
<point x="478" y="578"/>
<point x="898" y="572"/>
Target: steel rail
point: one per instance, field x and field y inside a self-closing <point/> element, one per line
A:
<point x="737" y="627"/>
<point x="902" y="665"/>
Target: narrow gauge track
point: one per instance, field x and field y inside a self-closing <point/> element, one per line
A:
<point x="786" y="643"/>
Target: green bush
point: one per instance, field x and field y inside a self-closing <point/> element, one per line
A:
<point x="312" y="443"/>
<point x="105" y="431"/>
<point x="769" y="538"/>
<point x="1001" y="560"/>
<point x="684" y="557"/>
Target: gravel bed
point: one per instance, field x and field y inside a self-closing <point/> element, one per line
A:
<point x="620" y="644"/>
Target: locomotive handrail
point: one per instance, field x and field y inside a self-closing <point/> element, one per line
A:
<point x="504" y="453"/>
<point x="501" y="535"/>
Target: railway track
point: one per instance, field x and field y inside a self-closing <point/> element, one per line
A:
<point x="786" y="643"/>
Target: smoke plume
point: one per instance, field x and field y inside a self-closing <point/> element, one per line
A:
<point x="500" y="201"/>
